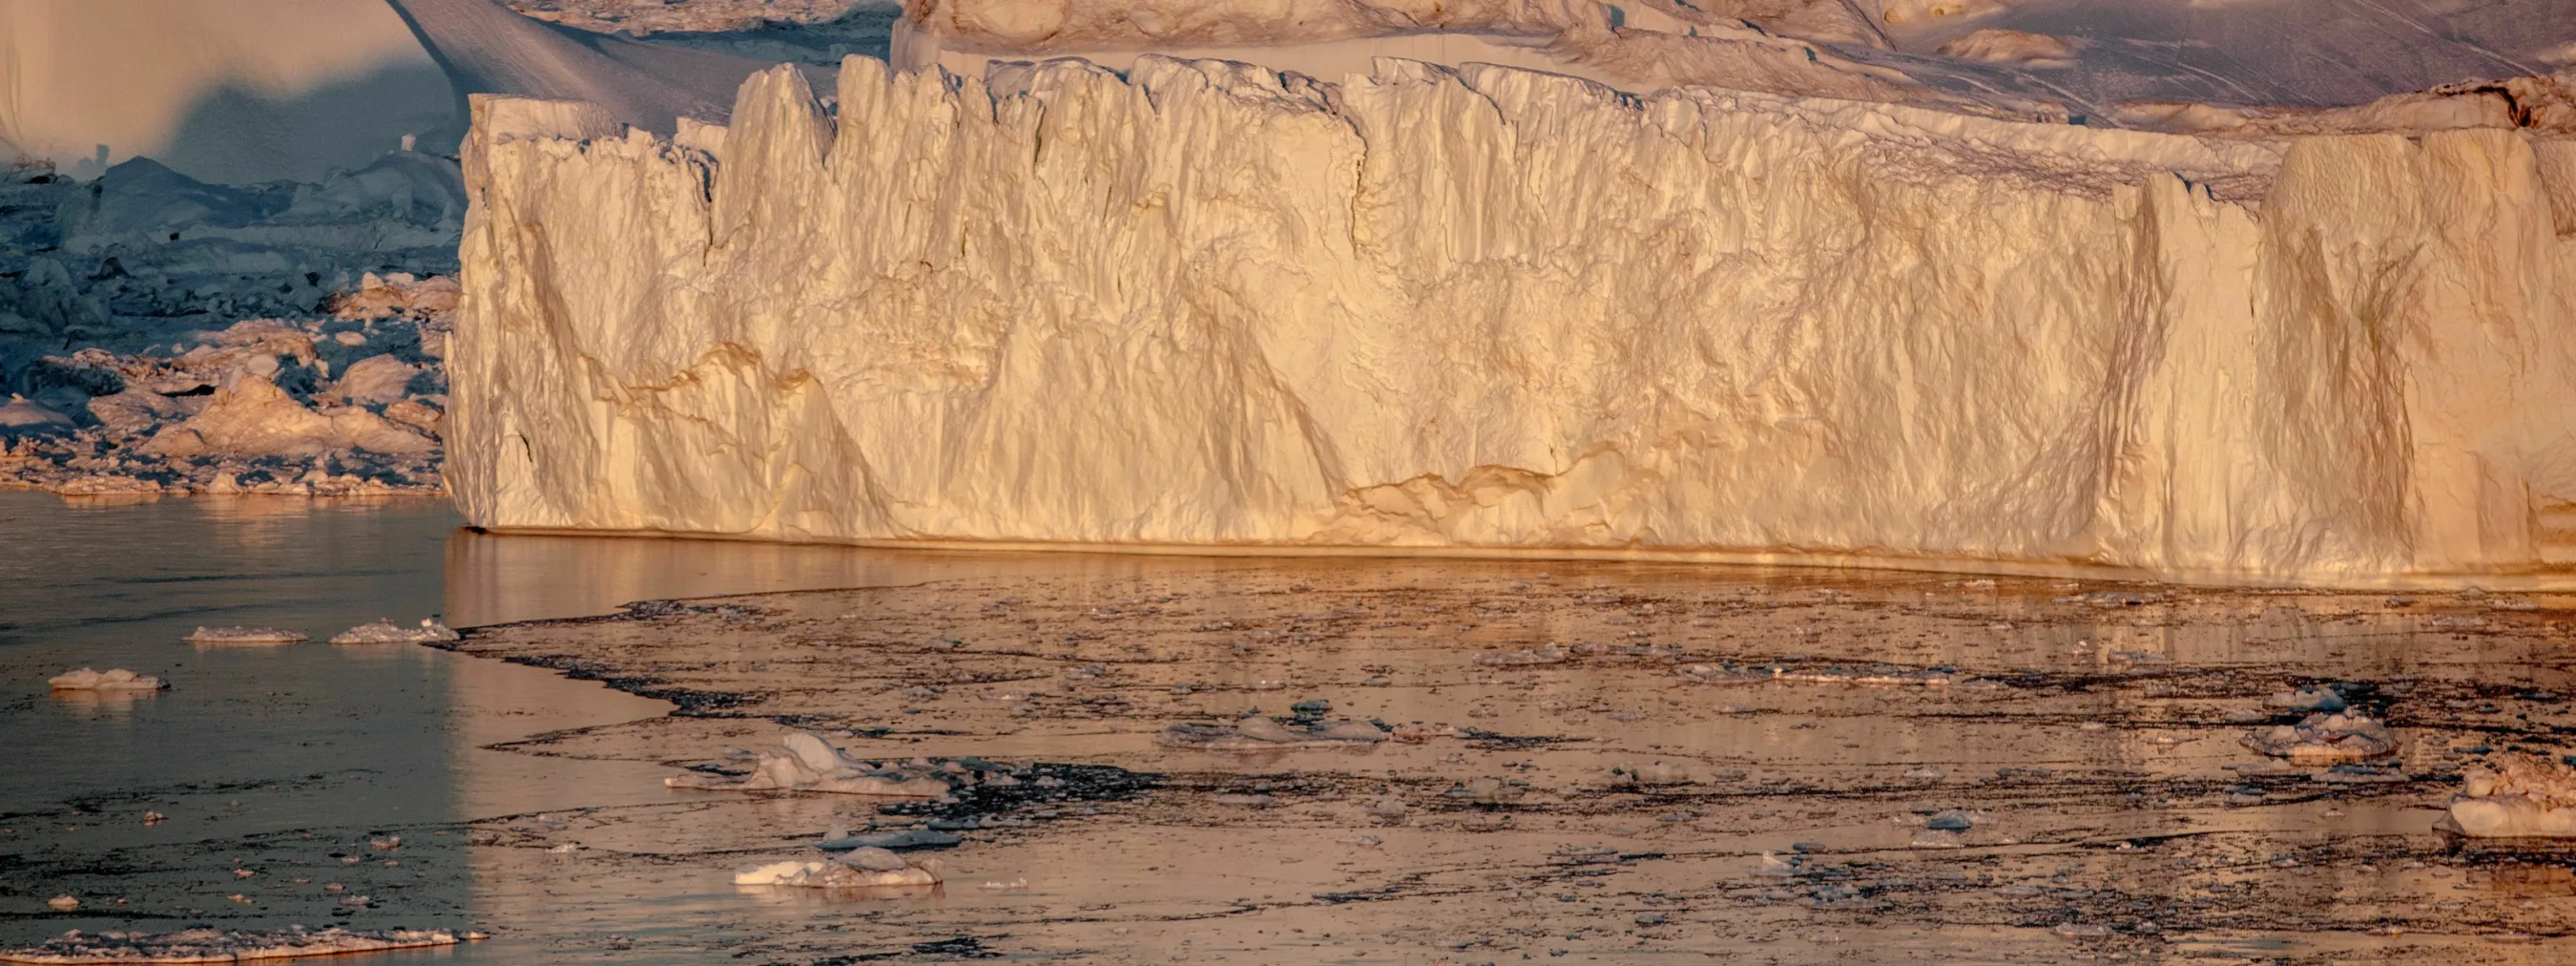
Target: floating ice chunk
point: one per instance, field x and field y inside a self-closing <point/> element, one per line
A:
<point x="1659" y="773"/>
<point x="387" y="632"/>
<point x="861" y="869"/>
<point x="805" y="762"/>
<point x="2311" y="698"/>
<point x="1259" y="733"/>
<point x="1551" y="654"/>
<point x="208" y="945"/>
<point x="2515" y="796"/>
<point x="115" y="679"/>
<point x="2323" y="737"/>
<point x="244" y="635"/>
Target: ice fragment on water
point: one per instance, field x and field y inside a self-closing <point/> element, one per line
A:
<point x="116" y="679"/>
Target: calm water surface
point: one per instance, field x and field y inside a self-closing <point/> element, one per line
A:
<point x="288" y="759"/>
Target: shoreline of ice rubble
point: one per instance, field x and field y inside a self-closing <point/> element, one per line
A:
<point x="160" y="334"/>
<point x="348" y="405"/>
<point x="209" y="945"/>
<point x="386" y="631"/>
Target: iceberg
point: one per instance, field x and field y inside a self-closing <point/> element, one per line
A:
<point x="1209" y="306"/>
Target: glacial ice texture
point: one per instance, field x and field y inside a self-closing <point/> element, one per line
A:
<point x="1207" y="305"/>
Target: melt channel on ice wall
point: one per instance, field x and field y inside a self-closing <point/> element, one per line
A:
<point x="1208" y="305"/>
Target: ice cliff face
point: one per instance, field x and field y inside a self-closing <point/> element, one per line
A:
<point x="1207" y="305"/>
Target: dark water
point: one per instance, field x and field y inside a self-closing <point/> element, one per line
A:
<point x="286" y="760"/>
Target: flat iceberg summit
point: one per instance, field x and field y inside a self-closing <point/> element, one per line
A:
<point x="1203" y="304"/>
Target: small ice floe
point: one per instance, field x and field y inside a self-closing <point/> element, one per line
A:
<point x="1551" y="654"/>
<point x="861" y="869"/>
<point x="113" y="679"/>
<point x="2321" y="737"/>
<point x="1262" y="733"/>
<point x="1945" y="830"/>
<point x="911" y="838"/>
<point x="1659" y="773"/>
<point x="244" y="635"/>
<point x="805" y="762"/>
<point x="2515" y="796"/>
<point x="2312" y="698"/>
<point x="388" y="632"/>
<point x="208" y="945"/>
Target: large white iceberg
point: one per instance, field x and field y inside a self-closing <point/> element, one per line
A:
<point x="1206" y="304"/>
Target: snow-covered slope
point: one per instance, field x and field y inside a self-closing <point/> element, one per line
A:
<point x="236" y="91"/>
<point x="1206" y="304"/>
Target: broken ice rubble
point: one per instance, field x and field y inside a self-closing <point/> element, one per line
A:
<point x="1261" y="733"/>
<point x="244" y="635"/>
<point x="2322" y="737"/>
<point x="115" y="679"/>
<point x="209" y="945"/>
<point x="2515" y="796"/>
<point x="863" y="868"/>
<point x="805" y="762"/>
<point x="387" y="632"/>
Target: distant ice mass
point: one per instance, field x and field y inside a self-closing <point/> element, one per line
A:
<point x="248" y="91"/>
